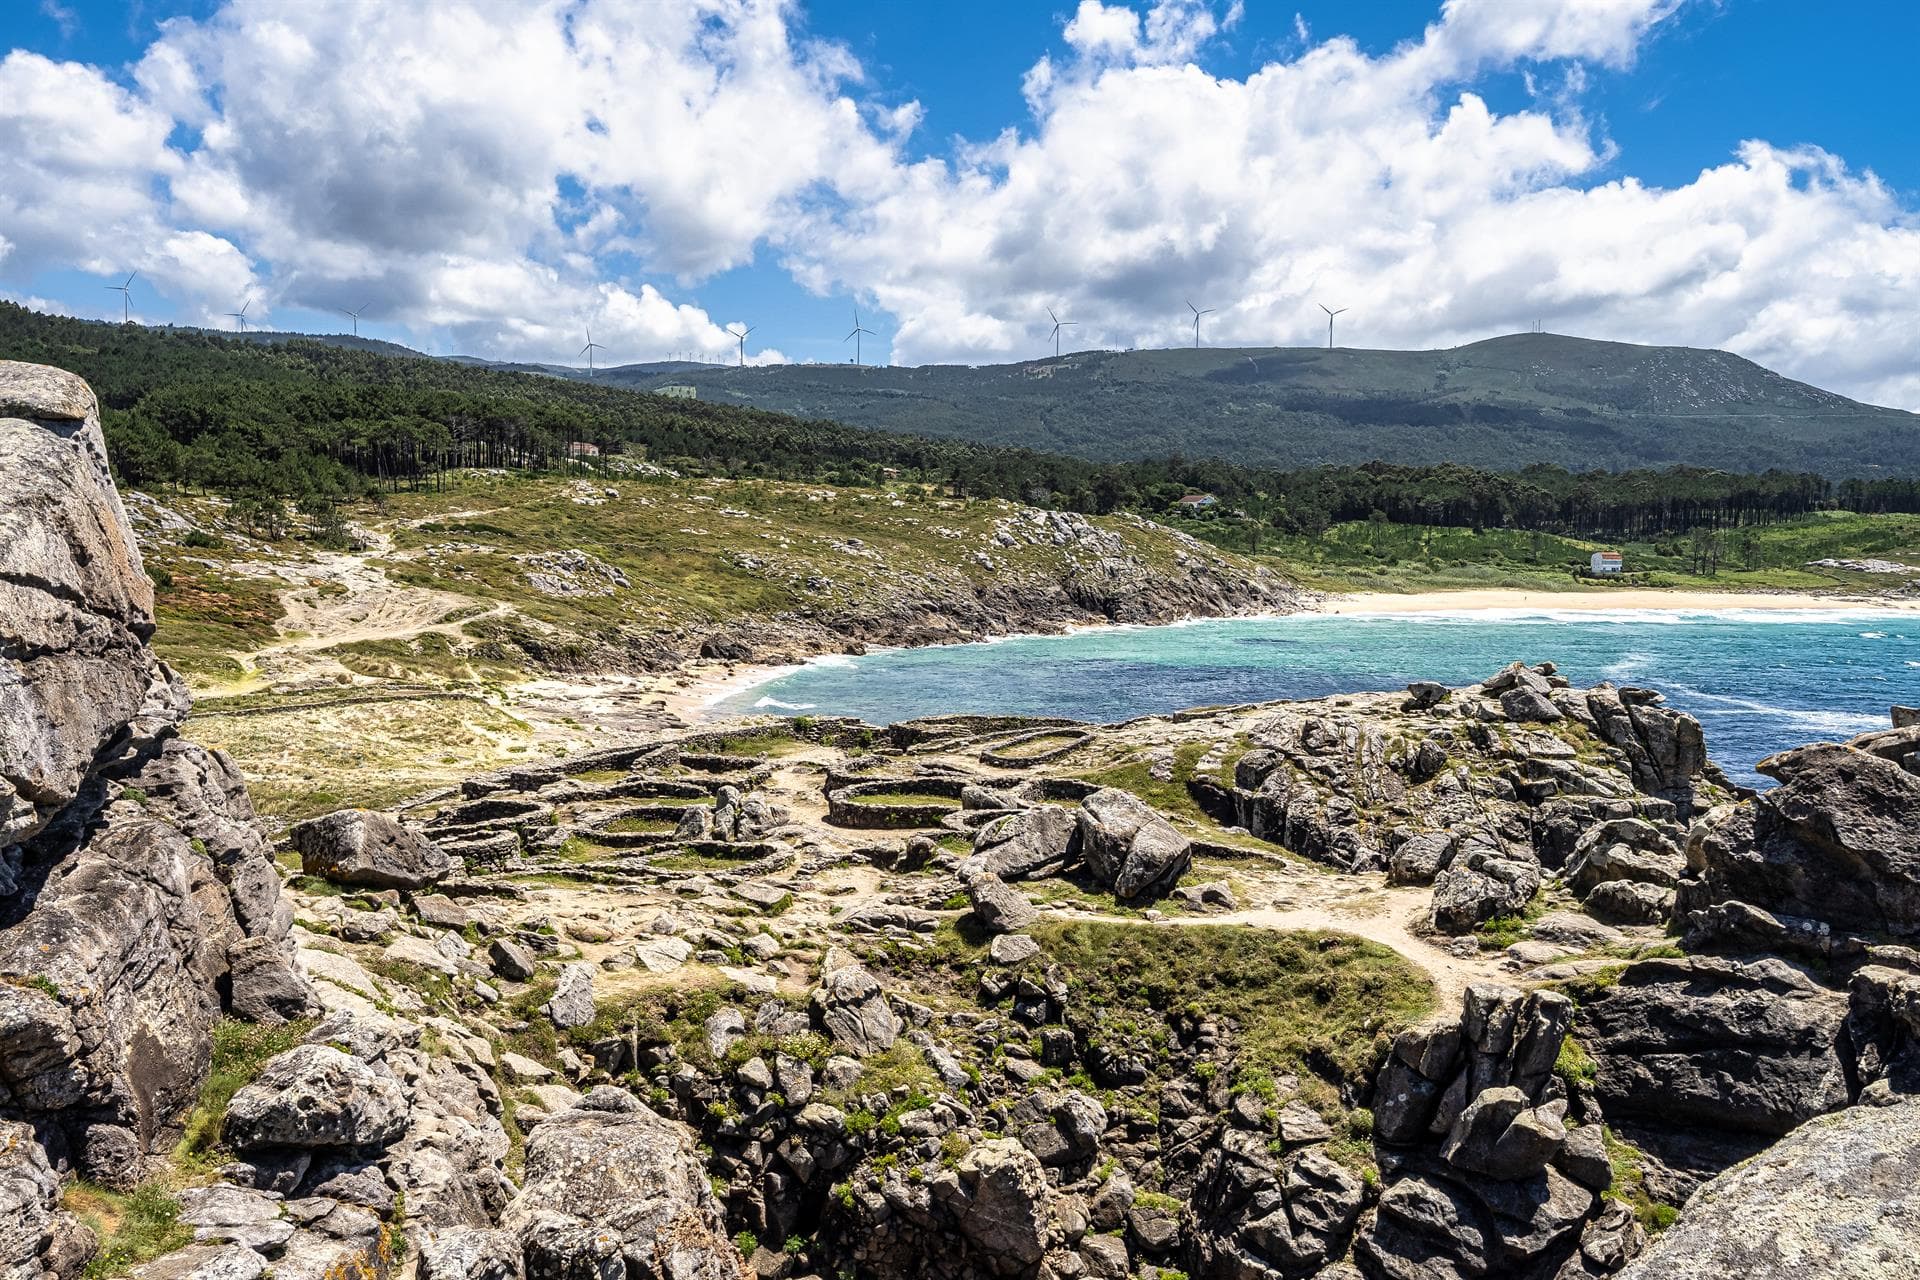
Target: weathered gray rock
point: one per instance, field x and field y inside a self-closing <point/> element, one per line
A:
<point x="469" y="1253"/>
<point x="1702" y="1061"/>
<point x="511" y="960"/>
<point x="1630" y="902"/>
<point x="851" y="1006"/>
<point x="75" y="603"/>
<point x="440" y="911"/>
<point x="204" y="1262"/>
<point x="1839" y="1196"/>
<point x="1420" y="858"/>
<point x="1502" y="1135"/>
<point x="1035" y="842"/>
<point x="1834" y="842"/>
<point x="1665" y="749"/>
<point x="1012" y="948"/>
<point x="1259" y="1217"/>
<point x="1129" y="847"/>
<point x="1502" y="1037"/>
<point x="37" y="1237"/>
<point x="363" y="847"/>
<point x="113" y="995"/>
<point x="226" y="1214"/>
<point x="610" y="1184"/>
<point x="998" y="906"/>
<point x="314" y="1096"/>
<point x="571" y="1004"/>
<point x="155" y="905"/>
<point x="1480" y="887"/>
<point x="1007" y="1211"/>
<point x="1709" y="1041"/>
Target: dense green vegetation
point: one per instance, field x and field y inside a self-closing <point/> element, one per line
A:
<point x="1387" y="556"/>
<point x="326" y="421"/>
<point x="320" y="421"/>
<point x="1503" y="403"/>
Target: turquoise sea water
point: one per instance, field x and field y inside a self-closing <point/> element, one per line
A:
<point x="1759" y="682"/>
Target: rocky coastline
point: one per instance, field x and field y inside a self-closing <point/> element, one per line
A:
<point x="1504" y="980"/>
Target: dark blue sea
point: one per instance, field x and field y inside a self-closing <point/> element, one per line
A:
<point x="1759" y="681"/>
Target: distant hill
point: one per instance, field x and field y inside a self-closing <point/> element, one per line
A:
<point x="1502" y="403"/>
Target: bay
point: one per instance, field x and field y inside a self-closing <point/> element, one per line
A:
<point x="1759" y="681"/>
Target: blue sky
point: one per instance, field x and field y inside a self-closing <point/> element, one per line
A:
<point x="1648" y="172"/>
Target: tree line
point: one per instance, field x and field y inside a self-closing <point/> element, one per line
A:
<point x="316" y="422"/>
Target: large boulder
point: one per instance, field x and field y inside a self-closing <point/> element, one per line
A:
<point x="1834" y="842"/>
<point x="611" y="1188"/>
<point x="1129" y="847"/>
<point x="468" y="1253"/>
<point x="1264" y="1216"/>
<point x="1480" y="887"/>
<point x="76" y="607"/>
<point x="1837" y="1197"/>
<point x="362" y="847"/>
<point x="851" y="1006"/>
<point x="108" y="996"/>
<point x="1702" y="1061"/>
<point x="1029" y="844"/>
<point x="571" y="1004"/>
<point x="1007" y="1211"/>
<point x="1665" y="749"/>
<point x="998" y="906"/>
<point x="316" y="1096"/>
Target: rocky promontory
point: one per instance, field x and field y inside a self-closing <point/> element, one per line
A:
<point x="1450" y="983"/>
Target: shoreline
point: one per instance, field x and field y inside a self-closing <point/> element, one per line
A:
<point x="693" y="690"/>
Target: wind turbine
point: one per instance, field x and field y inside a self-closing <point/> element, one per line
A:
<point x="741" y="334"/>
<point x="241" y="314"/>
<point x="126" y="299"/>
<point x="1331" y="313"/>
<point x="855" y="337"/>
<point x="589" y="349"/>
<point x="1058" y="325"/>
<point x="356" y="316"/>
<point x="1197" y="313"/>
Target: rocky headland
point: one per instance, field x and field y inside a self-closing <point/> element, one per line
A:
<point x="1496" y="981"/>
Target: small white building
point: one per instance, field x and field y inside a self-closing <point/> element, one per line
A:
<point x="1608" y="562"/>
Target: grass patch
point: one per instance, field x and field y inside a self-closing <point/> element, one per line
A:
<point x="643" y="826"/>
<point x="1320" y="1003"/>
<point x="133" y="1227"/>
<point x="1630" y="1185"/>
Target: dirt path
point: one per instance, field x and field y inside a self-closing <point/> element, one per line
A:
<point x="345" y="597"/>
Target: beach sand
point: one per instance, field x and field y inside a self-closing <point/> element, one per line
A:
<point x="1607" y="599"/>
<point x="691" y="691"/>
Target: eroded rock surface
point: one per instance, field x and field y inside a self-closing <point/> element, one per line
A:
<point x="1839" y="1196"/>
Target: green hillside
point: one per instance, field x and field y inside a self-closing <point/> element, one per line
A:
<point x="1499" y="404"/>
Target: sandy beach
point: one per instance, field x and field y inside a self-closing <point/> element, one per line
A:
<point x="692" y="690"/>
<point x="1624" y="598"/>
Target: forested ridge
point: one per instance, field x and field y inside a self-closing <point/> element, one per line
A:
<point x="1502" y="403"/>
<point x="314" y="420"/>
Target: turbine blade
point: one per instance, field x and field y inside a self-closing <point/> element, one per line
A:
<point x="130" y="276"/>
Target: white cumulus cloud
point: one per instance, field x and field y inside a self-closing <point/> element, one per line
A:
<point x="508" y="175"/>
